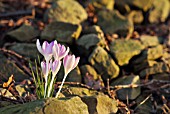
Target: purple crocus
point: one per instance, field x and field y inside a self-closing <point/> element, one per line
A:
<point x="70" y="62"/>
<point x="45" y="70"/>
<point x="59" y="51"/>
<point x="46" y="49"/>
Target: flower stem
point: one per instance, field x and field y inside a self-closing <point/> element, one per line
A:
<point x="61" y="85"/>
<point x="51" y="84"/>
<point x="46" y="79"/>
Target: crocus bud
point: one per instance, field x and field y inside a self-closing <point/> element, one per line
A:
<point x="55" y="66"/>
<point x="44" y="68"/>
<point x="70" y="62"/>
<point x="59" y="51"/>
<point x="46" y="49"/>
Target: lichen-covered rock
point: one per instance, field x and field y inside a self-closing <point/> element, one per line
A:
<point x="100" y="104"/>
<point x="149" y="54"/>
<point x="124" y="50"/>
<point x="8" y="67"/>
<point x="69" y="11"/>
<point x="24" y="33"/>
<point x="160" y="11"/>
<point x="103" y="63"/>
<point x="113" y="21"/>
<point x="26" y="50"/>
<point x="108" y="4"/>
<point x="90" y="40"/>
<point x="91" y="78"/>
<point x="158" y="68"/>
<point x="62" y="32"/>
<point x="132" y="93"/>
<point x="74" y="76"/>
<point x="148" y="41"/>
<point x="72" y="105"/>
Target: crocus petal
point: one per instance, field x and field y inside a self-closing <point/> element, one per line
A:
<point x="76" y="62"/>
<point x="64" y="53"/>
<point x="55" y="67"/>
<point x="56" y="51"/>
<point x="39" y="46"/>
<point x="49" y="48"/>
<point x="44" y="46"/>
<point x="68" y="61"/>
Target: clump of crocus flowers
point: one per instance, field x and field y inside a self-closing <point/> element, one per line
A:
<point x="54" y="54"/>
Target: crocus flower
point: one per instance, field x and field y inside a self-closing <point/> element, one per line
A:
<point x="45" y="70"/>
<point x="70" y="62"/>
<point x="46" y="49"/>
<point x="59" y="51"/>
<point x="55" y="66"/>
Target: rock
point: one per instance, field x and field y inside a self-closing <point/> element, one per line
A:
<point x="89" y="40"/>
<point x="23" y="90"/>
<point x="74" y="76"/>
<point x="100" y="104"/>
<point x="69" y="11"/>
<point x="62" y="32"/>
<point x="24" y="33"/>
<point x="5" y="73"/>
<point x="144" y="4"/>
<point x="103" y="63"/>
<point x="149" y="41"/>
<point x="100" y="4"/>
<point x="158" y="68"/>
<point x="6" y="93"/>
<point x="149" y="54"/>
<point x="72" y="105"/>
<point x="124" y="50"/>
<point x="131" y="93"/>
<point x="91" y="78"/>
<point x="112" y="22"/>
<point x="79" y="91"/>
<point x="26" y="50"/>
<point x="159" y="12"/>
<point x="161" y="76"/>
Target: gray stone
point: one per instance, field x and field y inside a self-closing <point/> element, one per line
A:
<point x="74" y="76"/>
<point x="113" y="21"/>
<point x="124" y="50"/>
<point x="100" y="104"/>
<point x="160" y="11"/>
<point x="72" y="105"/>
<point x="8" y="67"/>
<point x="24" y="33"/>
<point x="90" y="40"/>
<point x="131" y="93"/>
<point x="69" y="11"/>
<point x="91" y="78"/>
<point x="103" y="63"/>
<point x="158" y="68"/>
<point x="150" y="40"/>
<point x="62" y="32"/>
<point x="26" y="50"/>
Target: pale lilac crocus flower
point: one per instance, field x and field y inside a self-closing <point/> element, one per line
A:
<point x="55" y="66"/>
<point x="45" y="70"/>
<point x="70" y="62"/>
<point x="46" y="51"/>
<point x="59" y="51"/>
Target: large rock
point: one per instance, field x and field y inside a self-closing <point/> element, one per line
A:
<point x="124" y="50"/>
<point x="8" y="67"/>
<point x="24" y="33"/>
<point x="160" y="11"/>
<point x="132" y="93"/>
<point x="91" y="78"/>
<point x="62" y="32"/>
<point x="113" y="21"/>
<point x="69" y="11"/>
<point x="158" y="68"/>
<point x="72" y="105"/>
<point x="26" y="50"/>
<point x="74" y="76"/>
<point x="100" y="104"/>
<point x="103" y="63"/>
